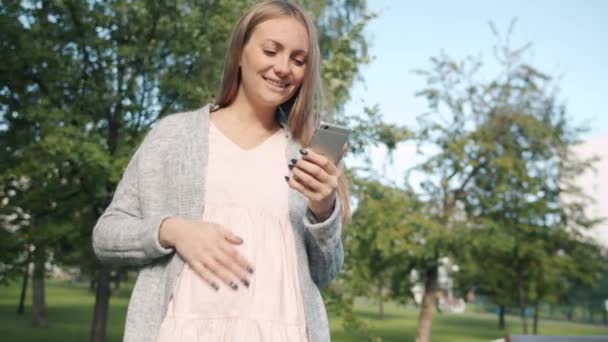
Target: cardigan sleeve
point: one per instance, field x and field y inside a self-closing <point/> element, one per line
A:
<point x="122" y="234"/>
<point x="324" y="246"/>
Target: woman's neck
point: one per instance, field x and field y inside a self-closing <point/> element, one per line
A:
<point x="245" y="113"/>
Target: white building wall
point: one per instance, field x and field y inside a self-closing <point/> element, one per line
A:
<point x="595" y="184"/>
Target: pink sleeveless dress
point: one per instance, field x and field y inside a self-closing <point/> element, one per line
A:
<point x="245" y="192"/>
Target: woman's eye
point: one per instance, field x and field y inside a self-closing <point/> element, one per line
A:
<point x="299" y="62"/>
<point x="270" y="52"/>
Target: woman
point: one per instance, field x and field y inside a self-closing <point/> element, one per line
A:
<point x="236" y="225"/>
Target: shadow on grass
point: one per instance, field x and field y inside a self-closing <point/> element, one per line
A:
<point x="375" y="316"/>
<point x="66" y="323"/>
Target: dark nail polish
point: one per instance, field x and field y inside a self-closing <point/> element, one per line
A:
<point x="249" y="269"/>
<point x="286" y="178"/>
<point x="246" y="282"/>
<point x="293" y="161"/>
<point x="290" y="166"/>
<point x="303" y="152"/>
<point x="234" y="286"/>
<point x="215" y="287"/>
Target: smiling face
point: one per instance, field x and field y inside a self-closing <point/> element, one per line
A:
<point x="274" y="62"/>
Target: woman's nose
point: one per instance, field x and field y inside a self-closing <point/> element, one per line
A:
<point x="281" y="66"/>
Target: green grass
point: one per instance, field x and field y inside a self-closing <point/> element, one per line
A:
<point x="399" y="324"/>
<point x="69" y="311"/>
<point x="70" y="307"/>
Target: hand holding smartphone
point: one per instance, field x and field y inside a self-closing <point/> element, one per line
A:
<point x="329" y="139"/>
<point x="321" y="185"/>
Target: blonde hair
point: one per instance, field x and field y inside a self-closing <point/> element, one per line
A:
<point x="308" y="99"/>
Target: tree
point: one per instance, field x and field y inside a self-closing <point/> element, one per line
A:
<point x="502" y="167"/>
<point x="14" y="260"/>
<point x="375" y="239"/>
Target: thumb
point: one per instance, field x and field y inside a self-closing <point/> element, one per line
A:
<point x="231" y="237"/>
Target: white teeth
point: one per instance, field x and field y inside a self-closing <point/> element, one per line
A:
<point x="275" y="83"/>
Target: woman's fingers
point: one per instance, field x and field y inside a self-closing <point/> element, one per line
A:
<point x="209" y="249"/>
<point x="226" y="265"/>
<point x="297" y="185"/>
<point x="321" y="161"/>
<point x="205" y="274"/>
<point x="316" y="177"/>
<point x="229" y="235"/>
<point x="306" y="179"/>
<point x="310" y="168"/>
<point x="242" y="262"/>
<point x="232" y="252"/>
<point x="231" y="259"/>
<point x="221" y="271"/>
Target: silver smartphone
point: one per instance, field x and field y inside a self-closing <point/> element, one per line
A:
<point x="328" y="140"/>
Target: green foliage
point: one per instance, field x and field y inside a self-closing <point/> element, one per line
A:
<point x="505" y="169"/>
<point x="344" y="47"/>
<point x="378" y="240"/>
<point x="369" y="130"/>
<point x="83" y="81"/>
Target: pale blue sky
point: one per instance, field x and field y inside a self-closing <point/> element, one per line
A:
<point x="570" y="39"/>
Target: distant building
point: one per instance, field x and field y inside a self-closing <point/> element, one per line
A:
<point x="594" y="183"/>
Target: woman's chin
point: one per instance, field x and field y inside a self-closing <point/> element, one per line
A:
<point x="273" y="101"/>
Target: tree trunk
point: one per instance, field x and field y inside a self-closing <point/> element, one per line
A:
<point x="102" y="301"/>
<point x="423" y="333"/>
<point x="570" y="314"/>
<point x="39" y="318"/>
<point x="522" y="303"/>
<point x="26" y="276"/>
<point x="102" y="293"/>
<point x="380" y="300"/>
<point x="121" y="274"/>
<point x="604" y="314"/>
<point x="501" y="317"/>
<point x="535" y="324"/>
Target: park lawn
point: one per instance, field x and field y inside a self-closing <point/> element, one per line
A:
<point x="69" y="311"/>
<point x="399" y="324"/>
<point x="69" y="308"/>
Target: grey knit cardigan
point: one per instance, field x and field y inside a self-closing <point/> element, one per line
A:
<point x="166" y="177"/>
